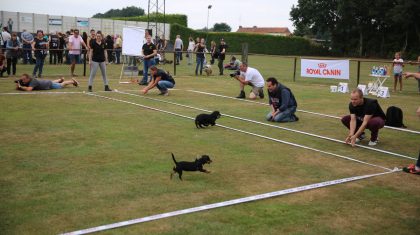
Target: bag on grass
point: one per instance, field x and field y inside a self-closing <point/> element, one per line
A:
<point x="394" y="117"/>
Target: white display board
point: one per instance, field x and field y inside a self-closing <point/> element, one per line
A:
<point x="133" y="40"/>
<point x="338" y="69"/>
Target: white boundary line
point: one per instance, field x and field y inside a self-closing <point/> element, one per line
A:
<point x="303" y="111"/>
<point x="270" y="125"/>
<point x="42" y="93"/>
<point x="227" y="203"/>
<point x="242" y="131"/>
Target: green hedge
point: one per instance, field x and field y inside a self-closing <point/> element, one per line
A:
<point x="169" y="19"/>
<point x="257" y="43"/>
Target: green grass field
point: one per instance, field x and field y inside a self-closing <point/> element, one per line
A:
<point x="74" y="161"/>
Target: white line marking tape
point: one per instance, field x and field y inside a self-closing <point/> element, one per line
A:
<point x="245" y="132"/>
<point x="270" y="125"/>
<point x="303" y="111"/>
<point x="227" y="203"/>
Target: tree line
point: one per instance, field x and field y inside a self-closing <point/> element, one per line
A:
<point x="363" y="28"/>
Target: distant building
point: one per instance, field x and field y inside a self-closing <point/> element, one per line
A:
<point x="281" y="31"/>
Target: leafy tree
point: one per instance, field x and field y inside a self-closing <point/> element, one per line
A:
<point x="125" y="12"/>
<point x="221" y="27"/>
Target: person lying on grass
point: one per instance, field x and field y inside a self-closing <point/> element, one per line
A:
<point x="27" y="83"/>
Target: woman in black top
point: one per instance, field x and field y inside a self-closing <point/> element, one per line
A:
<point x="109" y="45"/>
<point x="98" y="58"/>
<point x="40" y="46"/>
<point x="200" y="49"/>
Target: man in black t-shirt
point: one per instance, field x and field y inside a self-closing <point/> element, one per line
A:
<point x="365" y="113"/>
<point x="222" y="54"/>
<point x="149" y="51"/>
<point x="54" y="44"/>
<point x="161" y="79"/>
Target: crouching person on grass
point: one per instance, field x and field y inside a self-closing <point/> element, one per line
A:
<point x="27" y="83"/>
<point x="160" y="79"/>
<point x="365" y="113"/>
<point x="282" y="102"/>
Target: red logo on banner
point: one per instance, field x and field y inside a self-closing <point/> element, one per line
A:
<point x="322" y="65"/>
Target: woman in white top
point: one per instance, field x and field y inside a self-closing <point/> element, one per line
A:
<point x="190" y="49"/>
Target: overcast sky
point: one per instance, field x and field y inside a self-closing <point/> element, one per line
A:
<point x="248" y="13"/>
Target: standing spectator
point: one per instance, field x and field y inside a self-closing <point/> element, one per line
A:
<point x="40" y="46"/>
<point x="91" y="37"/>
<point x="61" y="45"/>
<point x="161" y="47"/>
<point x="5" y="35"/>
<point x="213" y="51"/>
<point x="3" y="63"/>
<point x="74" y="46"/>
<point x="178" y="46"/>
<point x="98" y="58"/>
<point x="199" y="50"/>
<point x="190" y="49"/>
<point x="54" y="45"/>
<point x="109" y="46"/>
<point x="365" y="114"/>
<point x="13" y="46"/>
<point x="118" y="47"/>
<point x="222" y="53"/>
<point x="27" y="39"/>
<point x="149" y="51"/>
<point x="398" y="65"/>
<point x="10" y="25"/>
<point x="282" y="101"/>
<point x="84" y="48"/>
<point x="66" y="51"/>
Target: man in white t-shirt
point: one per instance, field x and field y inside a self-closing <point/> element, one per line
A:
<point x="249" y="76"/>
<point x="74" y="46"/>
<point x="178" y="46"/>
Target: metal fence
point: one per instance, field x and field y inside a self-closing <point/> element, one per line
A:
<point x="54" y="23"/>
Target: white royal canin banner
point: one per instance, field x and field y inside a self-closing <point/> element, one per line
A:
<point x="325" y="69"/>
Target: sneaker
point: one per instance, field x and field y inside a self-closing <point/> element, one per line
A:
<point x="75" y="82"/>
<point x="164" y="93"/>
<point x="34" y="76"/>
<point x="143" y="83"/>
<point x="373" y="143"/>
<point x="89" y="88"/>
<point x="296" y="118"/>
<point x="360" y="138"/>
<point x="261" y="94"/>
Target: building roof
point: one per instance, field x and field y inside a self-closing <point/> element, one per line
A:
<point x="265" y="30"/>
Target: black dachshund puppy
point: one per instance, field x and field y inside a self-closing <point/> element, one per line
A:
<point x="196" y="165"/>
<point x="207" y="119"/>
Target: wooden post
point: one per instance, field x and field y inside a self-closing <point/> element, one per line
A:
<point x="358" y="72"/>
<point x="294" y="70"/>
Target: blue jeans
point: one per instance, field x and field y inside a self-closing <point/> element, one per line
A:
<point x="178" y="55"/>
<point x="39" y="64"/>
<point x="117" y="55"/>
<point x="164" y="85"/>
<point x="287" y="115"/>
<point x="146" y="65"/>
<point x="200" y="62"/>
<point x="27" y="53"/>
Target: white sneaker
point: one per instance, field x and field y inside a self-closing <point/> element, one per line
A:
<point x="373" y="143"/>
<point x="360" y="138"/>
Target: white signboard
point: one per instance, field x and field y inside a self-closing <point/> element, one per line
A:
<point x="343" y="87"/>
<point x="383" y="92"/>
<point x="133" y="40"/>
<point x="338" y="69"/>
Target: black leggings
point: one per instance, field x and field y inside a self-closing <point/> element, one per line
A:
<point x="11" y="62"/>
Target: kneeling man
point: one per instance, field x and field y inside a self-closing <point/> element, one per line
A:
<point x="282" y="101"/>
<point x="365" y="113"/>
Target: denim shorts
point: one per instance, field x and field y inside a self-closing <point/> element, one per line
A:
<point x="74" y="58"/>
<point x="55" y="85"/>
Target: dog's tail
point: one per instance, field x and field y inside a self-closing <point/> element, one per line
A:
<point x="173" y="157"/>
